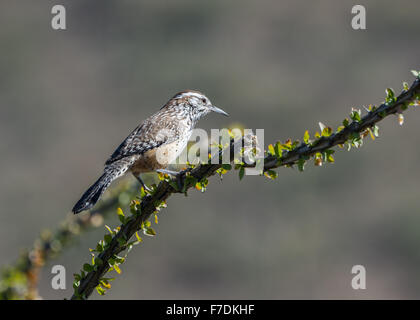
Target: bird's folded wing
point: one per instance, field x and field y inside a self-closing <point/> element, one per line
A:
<point x="142" y="139"/>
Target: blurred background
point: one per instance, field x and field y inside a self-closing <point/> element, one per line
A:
<point x="68" y="98"/>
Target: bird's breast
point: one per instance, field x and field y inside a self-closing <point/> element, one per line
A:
<point x="160" y="157"/>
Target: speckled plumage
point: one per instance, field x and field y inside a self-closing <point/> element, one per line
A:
<point x="154" y="144"/>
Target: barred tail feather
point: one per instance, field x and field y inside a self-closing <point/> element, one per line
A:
<point x="92" y="195"/>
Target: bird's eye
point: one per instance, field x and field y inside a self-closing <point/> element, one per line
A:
<point x="204" y="100"/>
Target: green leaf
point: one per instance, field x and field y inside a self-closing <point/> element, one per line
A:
<point x="134" y="205"/>
<point x="117" y="268"/>
<point x="330" y="158"/>
<point x="271" y="174"/>
<point x="355" y="115"/>
<point x="76" y="284"/>
<point x="142" y="192"/>
<point x="107" y="279"/>
<point x="390" y="96"/>
<point x="227" y="166"/>
<point x="149" y="231"/>
<point x="241" y="173"/>
<point x="295" y="144"/>
<point x="100" y="246"/>
<point x="121" y="241"/>
<point x="306" y="137"/>
<point x="100" y="290"/>
<point x="278" y="149"/>
<point x="346" y="122"/>
<point x="87" y="267"/>
<point x="326" y="132"/>
<point x="120" y="214"/>
<point x="174" y="185"/>
<point x="107" y="238"/>
<point x="105" y="284"/>
<point x="189" y="181"/>
<point x="139" y="239"/>
<point x="382" y="114"/>
<point x="109" y="229"/>
<point x="301" y="164"/>
<point x="271" y="150"/>
<point x="287" y="145"/>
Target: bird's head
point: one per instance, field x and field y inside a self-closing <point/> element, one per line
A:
<point x="197" y="103"/>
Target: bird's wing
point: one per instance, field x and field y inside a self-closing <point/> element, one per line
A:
<point x="143" y="138"/>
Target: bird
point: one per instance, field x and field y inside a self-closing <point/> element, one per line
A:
<point x="152" y="145"/>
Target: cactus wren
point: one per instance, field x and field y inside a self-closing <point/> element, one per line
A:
<point x="154" y="144"/>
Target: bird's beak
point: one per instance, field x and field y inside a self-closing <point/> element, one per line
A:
<point x="218" y="110"/>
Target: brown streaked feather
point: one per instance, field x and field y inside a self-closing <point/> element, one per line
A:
<point x="157" y="130"/>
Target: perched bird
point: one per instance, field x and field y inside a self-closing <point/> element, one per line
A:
<point x="154" y="144"/>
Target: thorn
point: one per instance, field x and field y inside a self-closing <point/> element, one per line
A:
<point x="366" y="109"/>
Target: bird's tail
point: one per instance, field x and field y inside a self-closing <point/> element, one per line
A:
<point x="92" y="195"/>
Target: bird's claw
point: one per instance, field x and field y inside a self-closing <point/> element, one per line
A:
<point x="146" y="188"/>
<point x="179" y="175"/>
<point x="169" y="172"/>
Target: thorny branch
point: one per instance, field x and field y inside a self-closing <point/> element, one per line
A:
<point x="150" y="202"/>
<point x="368" y="121"/>
<point x="20" y="280"/>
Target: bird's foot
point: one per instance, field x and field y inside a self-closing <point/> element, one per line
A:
<point x="179" y="175"/>
<point x="170" y="172"/>
<point x="146" y="188"/>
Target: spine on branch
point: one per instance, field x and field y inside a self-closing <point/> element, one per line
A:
<point x="350" y="133"/>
